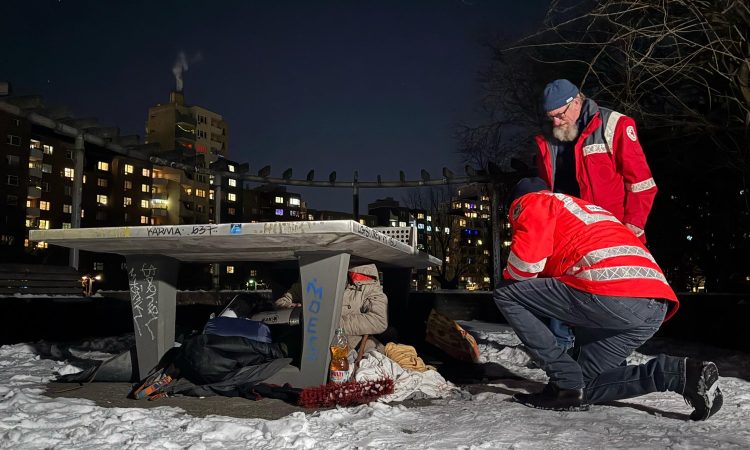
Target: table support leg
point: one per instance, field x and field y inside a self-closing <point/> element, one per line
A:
<point x="153" y="298"/>
<point x="323" y="279"/>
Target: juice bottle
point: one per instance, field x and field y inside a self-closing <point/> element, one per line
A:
<point x="339" y="370"/>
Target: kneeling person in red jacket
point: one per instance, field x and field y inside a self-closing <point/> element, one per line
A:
<point x="575" y="262"/>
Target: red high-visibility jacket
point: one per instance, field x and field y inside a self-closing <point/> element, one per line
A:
<point x="582" y="245"/>
<point x="611" y="168"/>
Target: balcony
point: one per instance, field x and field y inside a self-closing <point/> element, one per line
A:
<point x="33" y="212"/>
<point x="184" y="135"/>
<point x="34" y="192"/>
<point x="159" y="182"/>
<point x="160" y="196"/>
<point x="185" y="119"/>
<point x="157" y="212"/>
<point x="36" y="154"/>
<point x="35" y="172"/>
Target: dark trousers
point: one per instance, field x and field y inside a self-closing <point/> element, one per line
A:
<point x="608" y="329"/>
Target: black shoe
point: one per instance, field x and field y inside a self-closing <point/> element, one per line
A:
<point x="702" y="388"/>
<point x="554" y="398"/>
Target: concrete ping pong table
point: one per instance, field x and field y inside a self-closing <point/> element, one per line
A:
<point x="322" y="248"/>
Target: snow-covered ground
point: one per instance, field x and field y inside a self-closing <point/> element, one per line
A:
<point x="30" y="420"/>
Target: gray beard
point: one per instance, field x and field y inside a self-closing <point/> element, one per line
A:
<point x="565" y="133"/>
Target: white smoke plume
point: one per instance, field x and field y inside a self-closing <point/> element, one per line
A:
<point x="181" y="65"/>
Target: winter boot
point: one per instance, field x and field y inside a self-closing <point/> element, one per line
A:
<point x="701" y="389"/>
<point x="554" y="398"/>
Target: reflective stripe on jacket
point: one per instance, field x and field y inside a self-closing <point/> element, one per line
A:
<point x="582" y="245"/>
<point x="611" y="168"/>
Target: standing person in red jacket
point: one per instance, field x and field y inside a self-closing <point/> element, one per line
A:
<point x="575" y="262"/>
<point x="593" y="153"/>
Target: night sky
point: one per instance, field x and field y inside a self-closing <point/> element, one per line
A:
<point x="373" y="86"/>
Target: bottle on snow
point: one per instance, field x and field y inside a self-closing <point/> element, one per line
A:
<point x="339" y="370"/>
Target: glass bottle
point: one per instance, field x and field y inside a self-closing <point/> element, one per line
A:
<point x="339" y="370"/>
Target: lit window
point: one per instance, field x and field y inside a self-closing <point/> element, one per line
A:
<point x="128" y="184"/>
<point x="462" y="223"/>
<point x="46" y="168"/>
<point x="429" y="218"/>
<point x="127" y="201"/>
<point x="232" y="182"/>
<point x="102" y="166"/>
<point x="146" y="172"/>
<point x="44" y="206"/>
<point x="25" y="242"/>
<point x="101" y="199"/>
<point x="420" y="226"/>
<point x="145" y="188"/>
<point x="279" y="212"/>
<point x="211" y="194"/>
<point x="402" y="224"/>
<point x="200" y="193"/>
<point x="84" y="179"/>
<point x="66" y="225"/>
<point x="231" y="197"/>
<point x="41" y="245"/>
<point x="33" y="143"/>
<point x="420" y="216"/>
<point x="231" y="168"/>
<point x="67" y="209"/>
<point x="101" y="182"/>
<point x="144" y="220"/>
<point x="294" y="201"/>
<point x="279" y="200"/>
<point x="144" y="203"/>
<point x="69" y="173"/>
<point x="128" y="169"/>
<point x="230" y="269"/>
<point x="48" y="149"/>
<point x="43" y="224"/>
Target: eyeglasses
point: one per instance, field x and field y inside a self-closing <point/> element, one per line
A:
<point x="561" y="115"/>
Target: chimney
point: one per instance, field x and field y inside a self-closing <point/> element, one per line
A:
<point x="177" y="97"/>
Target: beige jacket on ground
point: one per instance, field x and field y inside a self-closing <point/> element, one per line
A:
<point x="364" y="310"/>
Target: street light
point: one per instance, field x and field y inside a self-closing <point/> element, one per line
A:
<point x="87" y="281"/>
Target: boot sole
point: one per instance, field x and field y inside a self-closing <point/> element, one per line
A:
<point x="712" y="395"/>
<point x="581" y="407"/>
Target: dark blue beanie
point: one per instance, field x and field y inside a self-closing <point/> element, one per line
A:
<point x="558" y="93"/>
<point x="525" y="186"/>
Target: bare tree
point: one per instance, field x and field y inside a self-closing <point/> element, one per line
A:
<point x="681" y="68"/>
